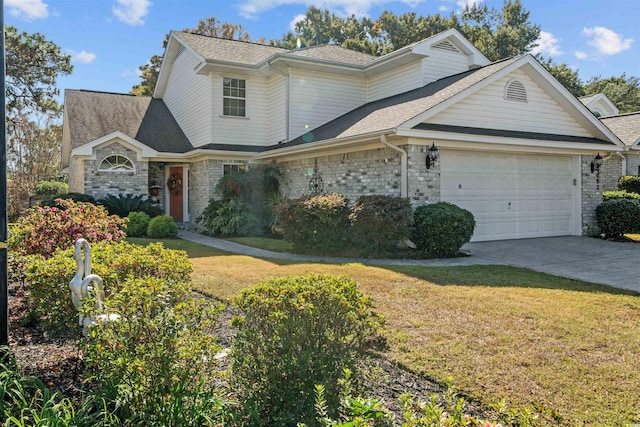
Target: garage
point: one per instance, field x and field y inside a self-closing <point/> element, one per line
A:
<point x="513" y="195"/>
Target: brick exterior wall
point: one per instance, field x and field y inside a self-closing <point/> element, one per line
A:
<point x="633" y="162"/>
<point x="424" y="184"/>
<point x="592" y="191"/>
<point x="102" y="184"/>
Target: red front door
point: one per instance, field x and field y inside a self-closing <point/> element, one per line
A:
<point x="176" y="192"/>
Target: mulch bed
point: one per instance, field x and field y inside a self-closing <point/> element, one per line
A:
<point x="58" y="362"/>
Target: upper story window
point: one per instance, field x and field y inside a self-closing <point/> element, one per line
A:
<point x="515" y="91"/>
<point x="116" y="163"/>
<point x="234" y="168"/>
<point x="234" y="97"/>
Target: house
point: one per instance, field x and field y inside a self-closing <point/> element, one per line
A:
<point x="599" y="105"/>
<point x="514" y="146"/>
<point x="627" y="128"/>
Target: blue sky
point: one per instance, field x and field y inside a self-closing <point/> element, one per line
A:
<point x="109" y="39"/>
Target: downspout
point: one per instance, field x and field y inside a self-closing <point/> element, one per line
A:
<point x="287" y="96"/>
<point x="404" y="165"/>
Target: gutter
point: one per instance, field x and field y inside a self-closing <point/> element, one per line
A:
<point x="404" y="165"/>
<point x="623" y="168"/>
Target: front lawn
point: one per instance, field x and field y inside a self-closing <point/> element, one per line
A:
<point x="495" y="331"/>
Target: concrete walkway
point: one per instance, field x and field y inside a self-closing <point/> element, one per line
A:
<point x="592" y="260"/>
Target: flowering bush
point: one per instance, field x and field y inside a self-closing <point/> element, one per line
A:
<point x="49" y="278"/>
<point x="45" y="229"/>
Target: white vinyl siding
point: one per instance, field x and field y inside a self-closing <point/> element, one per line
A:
<point x="188" y="97"/>
<point x="488" y="108"/>
<point x="513" y="195"/>
<point x="277" y="127"/>
<point x="317" y="98"/>
<point x="442" y="63"/>
<point x="248" y="130"/>
<point x="397" y="80"/>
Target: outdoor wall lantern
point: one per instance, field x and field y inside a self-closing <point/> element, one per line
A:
<point x="432" y="155"/>
<point x="595" y="167"/>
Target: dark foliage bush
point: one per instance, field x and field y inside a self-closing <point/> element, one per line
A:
<point x="137" y="225"/>
<point x="319" y="223"/>
<point x="76" y="197"/>
<point x="295" y="333"/>
<point x="228" y="218"/>
<point x="380" y="222"/>
<point x="51" y="188"/>
<point x="122" y="205"/>
<point x="630" y="183"/>
<point x="621" y="194"/>
<point x="618" y="216"/>
<point x="442" y="228"/>
<point x="162" y="227"/>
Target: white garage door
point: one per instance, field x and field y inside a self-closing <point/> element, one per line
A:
<point x="511" y="195"/>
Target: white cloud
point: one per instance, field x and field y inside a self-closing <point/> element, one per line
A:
<point x="27" y="9"/>
<point x="606" y="41"/>
<point x="547" y="45"/>
<point x="132" y="12"/>
<point x="444" y="8"/>
<point x="581" y="54"/>
<point x="83" y="56"/>
<point x="131" y="74"/>
<point x="463" y="3"/>
<point x="295" y="20"/>
<point x="252" y="8"/>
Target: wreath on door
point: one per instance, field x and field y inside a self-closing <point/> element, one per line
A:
<point x="175" y="184"/>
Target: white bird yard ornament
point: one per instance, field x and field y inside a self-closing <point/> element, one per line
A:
<point x="84" y="284"/>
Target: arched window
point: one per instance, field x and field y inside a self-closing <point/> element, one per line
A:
<point x="116" y="163"/>
<point x="515" y="91"/>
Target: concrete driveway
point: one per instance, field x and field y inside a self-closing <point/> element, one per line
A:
<point x="585" y="258"/>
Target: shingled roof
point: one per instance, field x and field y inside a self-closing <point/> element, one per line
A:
<point x="391" y="112"/>
<point x="91" y="115"/>
<point x="625" y="126"/>
<point x="247" y="53"/>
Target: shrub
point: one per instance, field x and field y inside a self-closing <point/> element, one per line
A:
<point x="618" y="216"/>
<point x="162" y="227"/>
<point x="76" y="197"/>
<point x="51" y="188"/>
<point x="137" y="225"/>
<point x="227" y="218"/>
<point x="380" y="222"/>
<point x="315" y="222"/>
<point x="45" y="229"/>
<point x="157" y="365"/>
<point x="442" y="228"/>
<point x="630" y="183"/>
<point x="295" y="333"/>
<point x="123" y="205"/>
<point x="49" y="278"/>
<point x="621" y="194"/>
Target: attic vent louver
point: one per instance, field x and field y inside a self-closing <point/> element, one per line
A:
<point x="446" y="45"/>
<point x="515" y="91"/>
<point x="181" y="49"/>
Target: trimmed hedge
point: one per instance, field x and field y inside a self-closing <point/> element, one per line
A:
<point x="137" y="225"/>
<point x="621" y="194"/>
<point x="442" y="228"/>
<point x="380" y="222"/>
<point x="316" y="222"/>
<point x="617" y="217"/>
<point x="630" y="183"/>
<point x="162" y="227"/>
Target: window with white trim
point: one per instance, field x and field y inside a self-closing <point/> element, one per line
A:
<point x="234" y="168"/>
<point x="234" y="97"/>
<point x="116" y="163"/>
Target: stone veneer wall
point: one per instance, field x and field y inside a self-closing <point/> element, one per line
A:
<point x="592" y="192"/>
<point x="102" y="184"/>
<point x="156" y="177"/>
<point x="375" y="171"/>
<point x="633" y="162"/>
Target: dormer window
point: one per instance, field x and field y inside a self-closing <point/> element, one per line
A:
<point x="234" y="97"/>
<point x="515" y="91"/>
<point x="116" y="163"/>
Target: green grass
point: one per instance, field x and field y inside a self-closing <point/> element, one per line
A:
<point x="265" y="243"/>
<point x="495" y="331"/>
